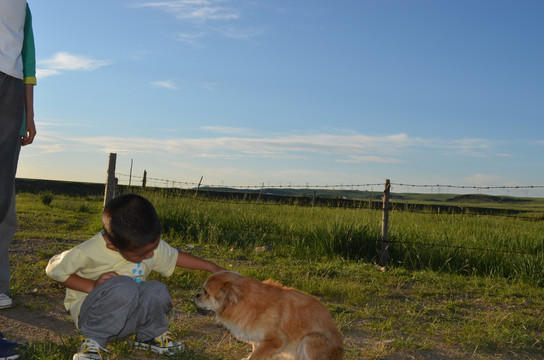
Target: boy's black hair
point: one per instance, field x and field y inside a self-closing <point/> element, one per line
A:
<point x="131" y="222"/>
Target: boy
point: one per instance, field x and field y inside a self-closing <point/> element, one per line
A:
<point x="106" y="291"/>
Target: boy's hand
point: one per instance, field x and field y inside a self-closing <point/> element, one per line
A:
<point x="104" y="277"/>
<point x="217" y="268"/>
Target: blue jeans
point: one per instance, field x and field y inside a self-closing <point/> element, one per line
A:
<point x="11" y="119"/>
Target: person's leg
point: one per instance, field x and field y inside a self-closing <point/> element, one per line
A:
<point x="9" y="349"/>
<point x="152" y="315"/>
<point x="107" y="312"/>
<point x="11" y="117"/>
<point x="152" y="311"/>
<point x="7" y="230"/>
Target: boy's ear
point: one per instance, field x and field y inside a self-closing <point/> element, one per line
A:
<point x="109" y="245"/>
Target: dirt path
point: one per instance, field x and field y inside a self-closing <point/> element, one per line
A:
<point x="24" y="325"/>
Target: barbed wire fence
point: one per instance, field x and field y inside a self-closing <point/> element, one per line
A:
<point x="114" y="179"/>
<point x="135" y="180"/>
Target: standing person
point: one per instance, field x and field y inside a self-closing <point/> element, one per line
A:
<point x="17" y="80"/>
<point x="105" y="278"/>
<point x="9" y="350"/>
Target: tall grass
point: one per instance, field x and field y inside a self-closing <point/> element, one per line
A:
<point x="510" y="247"/>
<point x="507" y="247"/>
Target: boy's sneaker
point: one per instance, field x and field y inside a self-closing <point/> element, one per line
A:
<point x="8" y="350"/>
<point x="5" y="301"/>
<point x="161" y="345"/>
<point x="89" y="349"/>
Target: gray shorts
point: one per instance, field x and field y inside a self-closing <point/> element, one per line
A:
<point x="121" y="307"/>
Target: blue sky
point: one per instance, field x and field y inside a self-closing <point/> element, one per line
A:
<point x="277" y="92"/>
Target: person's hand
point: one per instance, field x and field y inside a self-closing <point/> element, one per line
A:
<point x="30" y="131"/>
<point x="104" y="277"/>
<point x="217" y="268"/>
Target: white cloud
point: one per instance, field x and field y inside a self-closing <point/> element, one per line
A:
<point x="238" y="143"/>
<point x="230" y="130"/>
<point x="191" y="38"/>
<point x="210" y="86"/>
<point x="484" y="180"/>
<point x="471" y="147"/>
<point x="199" y="14"/>
<point x="67" y="61"/>
<point x="370" y="159"/>
<point x="242" y="34"/>
<point x="64" y="61"/>
<point x="41" y="73"/>
<point x="198" y="10"/>
<point x="165" y="84"/>
<point x="243" y="144"/>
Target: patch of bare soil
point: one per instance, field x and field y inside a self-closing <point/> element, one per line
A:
<point x="23" y="325"/>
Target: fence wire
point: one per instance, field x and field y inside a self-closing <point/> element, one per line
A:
<point x="187" y="185"/>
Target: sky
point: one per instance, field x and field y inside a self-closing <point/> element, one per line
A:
<point x="291" y="92"/>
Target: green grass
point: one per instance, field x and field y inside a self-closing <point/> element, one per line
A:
<point x="432" y="301"/>
<point x="510" y="247"/>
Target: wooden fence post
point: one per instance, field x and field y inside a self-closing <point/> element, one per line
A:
<point x="144" y="180"/>
<point x="130" y="175"/>
<point x="109" y="191"/>
<point x="198" y="187"/>
<point x="384" y="253"/>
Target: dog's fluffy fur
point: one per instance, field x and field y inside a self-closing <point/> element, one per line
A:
<point x="280" y="322"/>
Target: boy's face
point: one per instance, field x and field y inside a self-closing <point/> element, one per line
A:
<point x="135" y="255"/>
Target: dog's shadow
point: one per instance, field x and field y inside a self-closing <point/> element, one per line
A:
<point x="203" y="312"/>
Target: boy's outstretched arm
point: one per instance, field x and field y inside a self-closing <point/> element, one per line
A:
<point x="188" y="261"/>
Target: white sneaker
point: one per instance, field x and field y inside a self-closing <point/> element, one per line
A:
<point x="5" y="301"/>
<point x="89" y="350"/>
<point x="161" y="345"/>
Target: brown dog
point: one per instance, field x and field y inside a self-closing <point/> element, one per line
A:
<point x="280" y="322"/>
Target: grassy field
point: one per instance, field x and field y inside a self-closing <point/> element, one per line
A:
<point x="457" y="287"/>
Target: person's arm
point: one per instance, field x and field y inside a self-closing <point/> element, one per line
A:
<point x="28" y="53"/>
<point x="29" y="127"/>
<point x="78" y="283"/>
<point x="192" y="262"/>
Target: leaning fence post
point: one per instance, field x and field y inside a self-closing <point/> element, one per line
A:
<point x="384" y="254"/>
<point x="109" y="191"/>
<point x="198" y="187"/>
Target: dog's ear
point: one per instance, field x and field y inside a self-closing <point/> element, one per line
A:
<point x="230" y="293"/>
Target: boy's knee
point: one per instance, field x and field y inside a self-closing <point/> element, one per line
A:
<point x="159" y="289"/>
<point x="156" y="290"/>
<point x="122" y="288"/>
